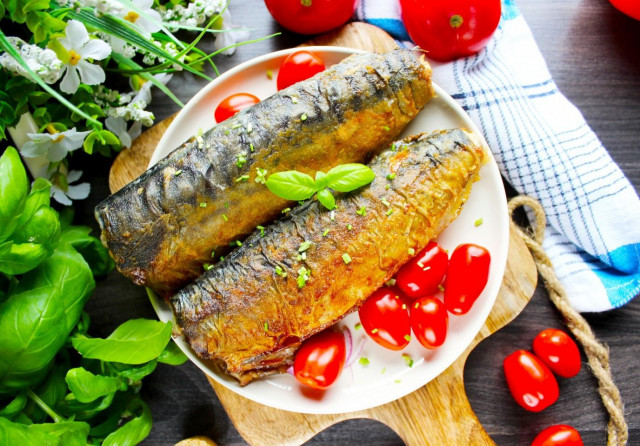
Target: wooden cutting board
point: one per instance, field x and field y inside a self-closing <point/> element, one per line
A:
<point x="437" y="414"/>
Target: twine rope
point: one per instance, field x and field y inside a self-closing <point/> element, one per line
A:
<point x="597" y="353"/>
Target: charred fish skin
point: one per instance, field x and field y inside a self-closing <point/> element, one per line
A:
<point x="252" y="311"/>
<point x="163" y="227"/>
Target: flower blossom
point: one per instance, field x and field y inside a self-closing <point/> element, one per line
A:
<point x="143" y="17"/>
<point x="54" y="145"/>
<point x="43" y="62"/>
<point x="230" y="36"/>
<point x="81" y="48"/>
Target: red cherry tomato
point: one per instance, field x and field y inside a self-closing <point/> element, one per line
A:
<point x="429" y="321"/>
<point x="421" y="275"/>
<point x="558" y="351"/>
<point x="448" y="29"/>
<point x="531" y="383"/>
<point x="385" y="318"/>
<point x="466" y="278"/>
<point x="231" y="105"/>
<point x="629" y="7"/>
<point x="558" y="435"/>
<point x="320" y="359"/>
<point x="297" y="67"/>
<point x="311" y="16"/>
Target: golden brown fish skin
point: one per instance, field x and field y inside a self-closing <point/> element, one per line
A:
<point x="250" y="320"/>
<point x="155" y="228"/>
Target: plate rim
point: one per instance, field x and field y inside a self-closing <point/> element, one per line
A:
<point x="319" y="409"/>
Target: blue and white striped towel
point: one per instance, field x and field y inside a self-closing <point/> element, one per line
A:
<point x="545" y="149"/>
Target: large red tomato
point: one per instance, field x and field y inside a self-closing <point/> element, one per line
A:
<point x="311" y="16"/>
<point x="319" y="362"/>
<point x="530" y="382"/>
<point x="448" y="29"/>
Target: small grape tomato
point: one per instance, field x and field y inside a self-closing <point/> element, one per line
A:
<point x="297" y="67"/>
<point x="385" y="318"/>
<point x="558" y="435"/>
<point x="429" y="321"/>
<point x="466" y="277"/>
<point x="421" y="275"/>
<point x="231" y="105"/>
<point x="530" y="382"/>
<point x="558" y="351"/>
<point x="319" y="361"/>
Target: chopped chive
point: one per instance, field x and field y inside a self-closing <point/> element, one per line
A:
<point x="383" y="371"/>
<point x="326" y="231"/>
<point x="389" y="212"/>
<point x="261" y="228"/>
<point x="362" y="211"/>
<point x="407" y="360"/>
<point x="303" y="276"/>
<point x="221" y="258"/>
<point x="304" y="246"/>
<point x="349" y="227"/>
<point x="226" y="204"/>
<point x="374" y="331"/>
<point x="213" y="254"/>
<point x="242" y="159"/>
<point x="332" y="215"/>
<point x="225" y="217"/>
<point x="358" y="326"/>
<point x="387" y="187"/>
<point x="294" y="100"/>
<point x="249" y="128"/>
<point x="406" y="337"/>
<point x="266" y="326"/>
<point x="440" y="287"/>
<point x="285" y="210"/>
<point x="420" y="264"/>
<point x="303" y="117"/>
<point x="140" y="190"/>
<point x="397" y="381"/>
<point x="238" y="243"/>
<point x="269" y="74"/>
<point x="236" y="126"/>
<point x="386" y="128"/>
<point x="207" y="266"/>
<point x="385" y="202"/>
<point x="199" y="132"/>
<point x="177" y="173"/>
<point x="364" y="361"/>
<point x="280" y="271"/>
<point x="346" y="258"/>
<point x="242" y="178"/>
<point x="390" y="282"/>
<point x="478" y="222"/>
<point x="391" y="176"/>
<point x="251" y="146"/>
<point x="226" y="132"/>
<point x="404" y="306"/>
<point x="203" y="205"/>
<point x="393" y="147"/>
<point x="411" y="251"/>
<point x="261" y="175"/>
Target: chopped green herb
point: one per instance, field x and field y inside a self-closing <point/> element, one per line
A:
<point x="390" y="282"/>
<point x="249" y="128"/>
<point x="200" y="141"/>
<point x="238" y="243"/>
<point x="362" y="211"/>
<point x="389" y="212"/>
<point x="387" y="187"/>
<point x="251" y="146"/>
<point x="177" y="173"/>
<point x="364" y="361"/>
<point x="225" y="217"/>
<point x="440" y="287"/>
<point x="242" y="159"/>
<point x="346" y="258"/>
<point x="226" y="204"/>
<point x="269" y="74"/>
<point x="280" y="271"/>
<point x="226" y="132"/>
<point x="393" y="147"/>
<point x="213" y="254"/>
<point x="332" y="215"/>
<point x="383" y="371"/>
<point x="326" y="231"/>
<point x="236" y="126"/>
<point x="397" y="381"/>
<point x="266" y="326"/>
<point x="391" y="176"/>
<point x="406" y="337"/>
<point x="386" y="128"/>
<point x="478" y="222"/>
<point x="261" y="175"/>
<point x="199" y="132"/>
<point x="407" y="360"/>
<point x="261" y="228"/>
<point x="140" y="190"/>
<point x="304" y="246"/>
<point x="207" y="266"/>
<point x="404" y="307"/>
<point x="349" y="227"/>
<point x="385" y="202"/>
<point x="303" y="276"/>
<point x="420" y="264"/>
<point x="303" y="117"/>
<point x="285" y="210"/>
<point x="203" y="205"/>
<point x="294" y="100"/>
<point x="242" y="178"/>
<point x="358" y="326"/>
<point x="411" y="251"/>
<point x="302" y="256"/>
<point x="374" y="331"/>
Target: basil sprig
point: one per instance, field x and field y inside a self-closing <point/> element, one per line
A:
<point x="297" y="186"/>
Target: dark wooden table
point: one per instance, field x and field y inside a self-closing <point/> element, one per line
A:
<point x="592" y="52"/>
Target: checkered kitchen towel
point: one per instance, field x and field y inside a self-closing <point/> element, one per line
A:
<point x="545" y="149"/>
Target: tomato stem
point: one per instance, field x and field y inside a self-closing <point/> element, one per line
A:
<point x="456" y="21"/>
<point x="306" y="3"/>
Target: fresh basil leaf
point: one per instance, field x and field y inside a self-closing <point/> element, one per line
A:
<point x="71" y="407"/>
<point x="52" y="390"/>
<point x="66" y="433"/>
<point x="38" y="316"/>
<point x="326" y="198"/>
<point x="21" y="258"/>
<point x="107" y="421"/>
<point x="132" y="372"/>
<point x="348" y="177"/>
<point x="321" y="180"/>
<point x="134" y="342"/>
<point x="38" y="196"/>
<point x="134" y="431"/>
<point x="96" y="255"/>
<point x="292" y="185"/>
<point x="172" y="355"/>
<point x="13" y="191"/>
<point x="88" y="387"/>
<point x="43" y="227"/>
<point x="15" y="406"/>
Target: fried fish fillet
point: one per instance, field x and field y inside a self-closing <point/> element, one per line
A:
<point x="251" y="313"/>
<point x="163" y="227"/>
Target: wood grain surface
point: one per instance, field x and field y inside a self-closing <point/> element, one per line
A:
<point x="591" y="51"/>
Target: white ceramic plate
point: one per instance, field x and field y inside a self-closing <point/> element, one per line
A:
<point x="362" y="387"/>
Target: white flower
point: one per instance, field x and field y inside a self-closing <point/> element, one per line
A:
<point x="81" y="48"/>
<point x="118" y="126"/>
<point x="55" y="145"/>
<point x="144" y="93"/>
<point x="144" y="16"/>
<point x="43" y="62"/>
<point x="132" y="112"/>
<point x="230" y="36"/>
<point x="61" y="188"/>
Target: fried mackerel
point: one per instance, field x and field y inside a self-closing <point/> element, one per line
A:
<point x="163" y="227"/>
<point x="250" y="313"/>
